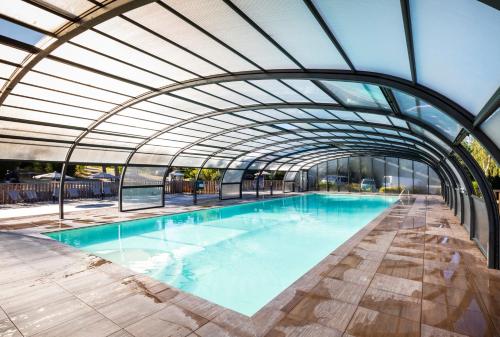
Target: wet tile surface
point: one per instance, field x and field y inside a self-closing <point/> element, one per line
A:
<point x="410" y="272"/>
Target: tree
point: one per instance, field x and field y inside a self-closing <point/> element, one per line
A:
<point x="483" y="158"/>
<point x="210" y="174"/>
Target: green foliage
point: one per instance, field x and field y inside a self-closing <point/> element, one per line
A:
<point x="210" y="174"/>
<point x="483" y="158"/>
<point x="190" y="173"/>
<point x="475" y="187"/>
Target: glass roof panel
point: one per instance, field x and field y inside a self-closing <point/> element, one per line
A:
<point x="110" y="47"/>
<point x="428" y="114"/>
<point x="163" y="110"/>
<point x="134" y="35"/>
<point x="256" y="116"/>
<point x="88" y="77"/>
<point x="345" y="115"/>
<point x="75" y="7"/>
<point x="320" y="113"/>
<point x="71" y="87"/>
<point x="124" y="129"/>
<point x="180" y="104"/>
<point x="358" y="94"/>
<point x="280" y="90"/>
<point x="82" y="56"/>
<point x="457" y="49"/>
<point x="371" y="33"/>
<point x="6" y="70"/>
<point x="306" y="41"/>
<point x="491" y="127"/>
<point x="310" y="90"/>
<point x="206" y="99"/>
<point x="233" y="119"/>
<point x="154" y="17"/>
<point x="226" y="94"/>
<point x="11" y="54"/>
<point x="398" y="122"/>
<point x="92" y="155"/>
<point x="251" y="91"/>
<point x="372" y="118"/>
<point x="425" y="134"/>
<point x="32" y="150"/>
<point x="233" y="30"/>
<point x="37" y="116"/>
<point x="63" y="98"/>
<point x="32" y="15"/>
<point x="148" y="116"/>
<point x="61" y="109"/>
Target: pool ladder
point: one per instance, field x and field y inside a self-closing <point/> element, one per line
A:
<point x="407" y="194"/>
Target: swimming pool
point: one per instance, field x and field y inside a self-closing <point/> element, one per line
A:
<point x="238" y="256"/>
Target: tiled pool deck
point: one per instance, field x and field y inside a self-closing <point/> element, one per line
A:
<point x="410" y="272"/>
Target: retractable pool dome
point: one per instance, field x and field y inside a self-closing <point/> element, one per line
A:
<point x="252" y="85"/>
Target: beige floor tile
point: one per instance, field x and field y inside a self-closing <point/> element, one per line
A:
<point x="292" y="328"/>
<point x="91" y="325"/>
<point x="392" y="304"/>
<point x="370" y="323"/>
<point x="397" y="285"/>
<point x="131" y="309"/>
<point x="331" y="313"/>
<point x="40" y="318"/>
<point x="340" y="290"/>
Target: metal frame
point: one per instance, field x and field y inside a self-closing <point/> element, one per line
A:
<point x="101" y="13"/>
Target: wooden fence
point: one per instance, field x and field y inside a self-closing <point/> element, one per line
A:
<point x="88" y="189"/>
<point x="48" y="191"/>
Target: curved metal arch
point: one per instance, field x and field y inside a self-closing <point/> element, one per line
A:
<point x="434" y="98"/>
<point x="322" y="150"/>
<point x="441" y="102"/>
<point x="326" y="149"/>
<point x="439" y="155"/>
<point x="323" y="106"/>
<point x="388" y="152"/>
<point x="387" y="146"/>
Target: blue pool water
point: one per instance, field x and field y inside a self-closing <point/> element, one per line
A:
<point x="239" y="256"/>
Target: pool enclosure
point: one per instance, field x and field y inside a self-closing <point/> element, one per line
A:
<point x="259" y="86"/>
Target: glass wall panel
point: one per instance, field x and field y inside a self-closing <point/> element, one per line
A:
<point x="434" y="182"/>
<point x="343" y="174"/>
<point x="406" y="175"/>
<point x="140" y="176"/>
<point x="141" y="197"/>
<point x="481" y="222"/>
<point x="232" y="176"/>
<point x="322" y="176"/>
<point x="230" y="191"/>
<point x="421" y="177"/>
<point x="367" y="180"/>
<point x="391" y="175"/>
<point x="332" y="174"/>
<point x="312" y="178"/>
<point x="368" y="174"/>
<point x="379" y="172"/>
<point x="142" y="187"/>
<point x="288" y="186"/>
<point x="354" y="174"/>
